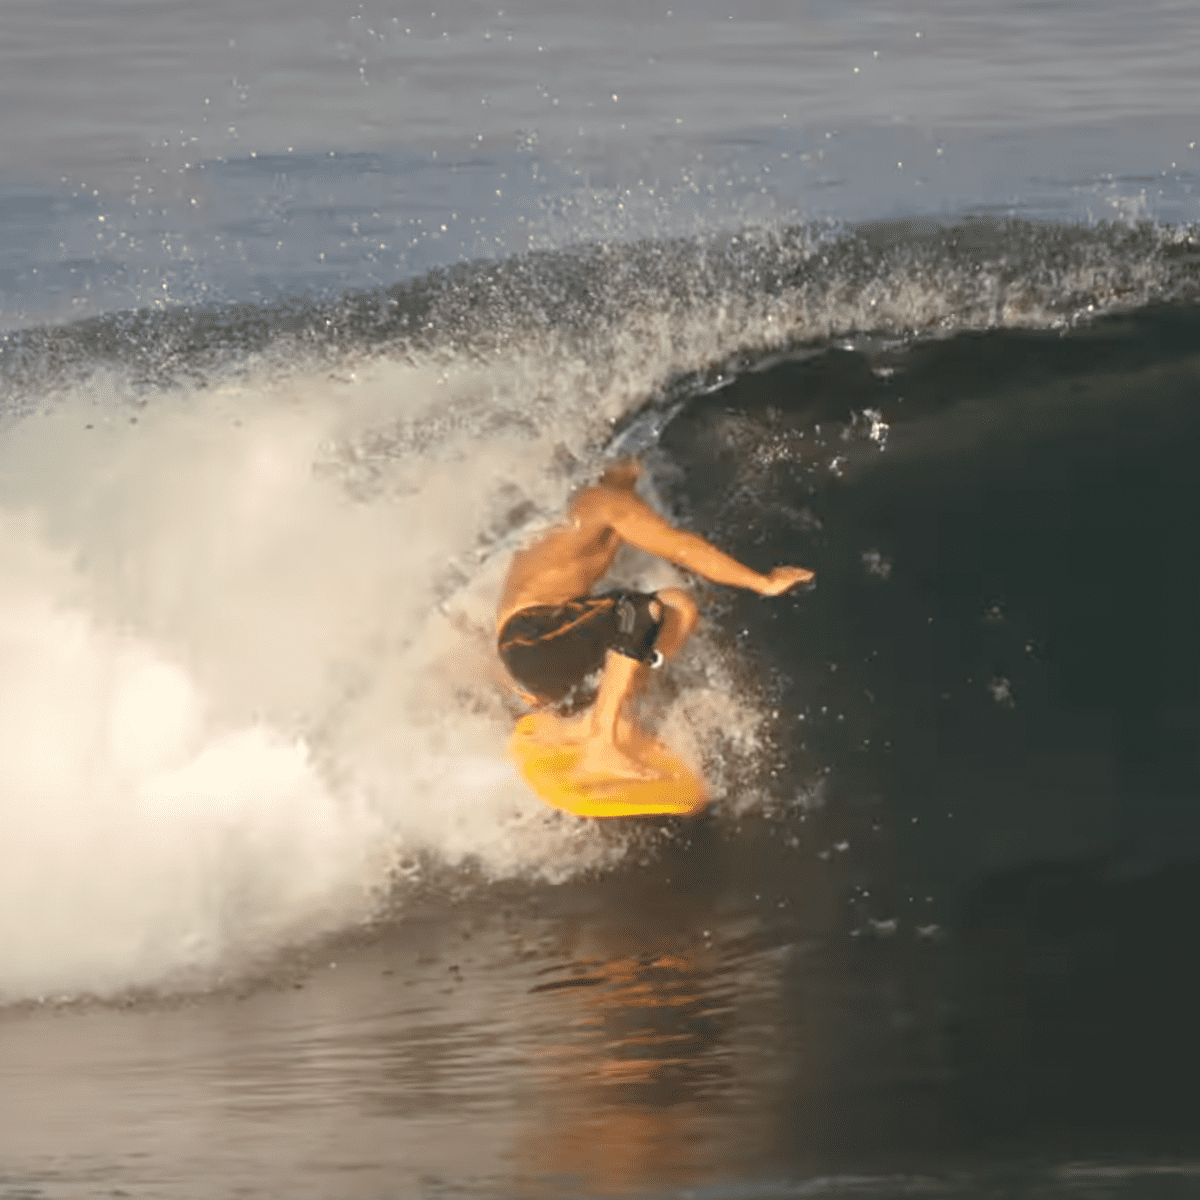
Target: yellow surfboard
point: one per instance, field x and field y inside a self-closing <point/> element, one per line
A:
<point x="546" y="765"/>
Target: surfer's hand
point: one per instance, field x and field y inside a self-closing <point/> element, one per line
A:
<point x="780" y="579"/>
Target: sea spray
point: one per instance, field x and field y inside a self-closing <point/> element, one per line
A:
<point x="247" y="662"/>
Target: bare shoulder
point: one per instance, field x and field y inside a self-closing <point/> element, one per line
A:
<point x="600" y="504"/>
<point x="596" y="505"/>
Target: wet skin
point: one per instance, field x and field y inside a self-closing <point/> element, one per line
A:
<point x="570" y="559"/>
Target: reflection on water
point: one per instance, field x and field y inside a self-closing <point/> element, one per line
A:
<point x="701" y="1016"/>
<point x="642" y="1047"/>
<point x="623" y="1036"/>
<point x="565" y="1040"/>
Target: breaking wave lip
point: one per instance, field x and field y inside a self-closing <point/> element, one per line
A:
<point x="194" y="498"/>
<point x="748" y="292"/>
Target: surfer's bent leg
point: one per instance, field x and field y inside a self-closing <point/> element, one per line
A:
<point x="602" y="756"/>
<point x="636" y="643"/>
<point x="676" y="616"/>
<point x="679" y="617"/>
<point x="550" y="650"/>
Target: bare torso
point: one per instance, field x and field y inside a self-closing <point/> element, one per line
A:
<point x="570" y="559"/>
<point x="564" y="563"/>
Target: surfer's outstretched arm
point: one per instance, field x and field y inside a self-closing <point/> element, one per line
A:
<point x="641" y="526"/>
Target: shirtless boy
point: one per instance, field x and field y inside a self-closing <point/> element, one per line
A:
<point x="553" y="633"/>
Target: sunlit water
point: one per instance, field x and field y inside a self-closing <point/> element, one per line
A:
<point x="313" y="314"/>
<point x="173" y="153"/>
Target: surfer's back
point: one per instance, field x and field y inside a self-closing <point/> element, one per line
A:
<point x="566" y="561"/>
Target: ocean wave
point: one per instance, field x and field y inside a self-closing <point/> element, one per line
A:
<point x="252" y="555"/>
<point x="682" y="306"/>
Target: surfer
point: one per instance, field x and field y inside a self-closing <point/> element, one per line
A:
<point x="553" y="633"/>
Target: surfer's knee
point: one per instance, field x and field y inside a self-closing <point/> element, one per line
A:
<point x="681" y="605"/>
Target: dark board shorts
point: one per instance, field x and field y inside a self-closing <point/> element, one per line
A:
<point x="553" y="649"/>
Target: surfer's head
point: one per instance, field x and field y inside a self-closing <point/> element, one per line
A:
<point x="621" y="473"/>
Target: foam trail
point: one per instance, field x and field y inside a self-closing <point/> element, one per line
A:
<point x="228" y="699"/>
<point x="141" y="839"/>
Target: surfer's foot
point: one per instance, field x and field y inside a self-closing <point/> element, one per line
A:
<point x="554" y="730"/>
<point x="635" y="741"/>
<point x="627" y="734"/>
<point x="603" y="760"/>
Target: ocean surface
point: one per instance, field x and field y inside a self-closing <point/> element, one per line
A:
<point x="311" y="313"/>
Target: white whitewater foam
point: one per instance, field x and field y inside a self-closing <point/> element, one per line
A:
<point x="140" y="839"/>
<point x="246" y="664"/>
<point x="209" y="747"/>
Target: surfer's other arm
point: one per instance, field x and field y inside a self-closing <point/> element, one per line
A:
<point x="640" y="526"/>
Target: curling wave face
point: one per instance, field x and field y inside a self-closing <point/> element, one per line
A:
<point x="651" y="310"/>
<point x="251" y="556"/>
